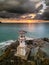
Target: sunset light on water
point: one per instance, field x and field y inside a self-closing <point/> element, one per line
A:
<point x="24" y="32"/>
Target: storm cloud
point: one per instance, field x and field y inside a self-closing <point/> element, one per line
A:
<point x="15" y="8"/>
<point x="18" y="6"/>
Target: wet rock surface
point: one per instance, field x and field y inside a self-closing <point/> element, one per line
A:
<point x="39" y="58"/>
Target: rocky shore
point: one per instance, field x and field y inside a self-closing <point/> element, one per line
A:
<point x="37" y="56"/>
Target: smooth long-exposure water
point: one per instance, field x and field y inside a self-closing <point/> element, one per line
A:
<point x="10" y="31"/>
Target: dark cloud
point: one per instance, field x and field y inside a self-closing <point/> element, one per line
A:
<point x="14" y="8"/>
<point x="5" y="14"/>
<point x="20" y="6"/>
<point x="8" y="8"/>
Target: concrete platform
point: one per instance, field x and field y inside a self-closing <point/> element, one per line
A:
<point x="24" y="57"/>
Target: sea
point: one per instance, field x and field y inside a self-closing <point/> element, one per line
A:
<point x="11" y="32"/>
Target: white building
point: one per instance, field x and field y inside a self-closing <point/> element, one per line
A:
<point x="21" y="49"/>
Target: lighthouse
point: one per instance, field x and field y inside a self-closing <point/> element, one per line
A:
<point x="21" y="49"/>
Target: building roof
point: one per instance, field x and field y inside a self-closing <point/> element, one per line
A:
<point x="22" y="32"/>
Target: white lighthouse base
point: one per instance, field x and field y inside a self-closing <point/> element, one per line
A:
<point x="21" y="51"/>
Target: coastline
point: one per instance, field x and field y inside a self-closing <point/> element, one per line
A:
<point x="38" y="42"/>
<point x="22" y="21"/>
<point x="40" y="55"/>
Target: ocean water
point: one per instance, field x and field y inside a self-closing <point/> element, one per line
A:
<point x="10" y="31"/>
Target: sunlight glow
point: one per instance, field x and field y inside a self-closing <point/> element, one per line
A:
<point x="13" y="20"/>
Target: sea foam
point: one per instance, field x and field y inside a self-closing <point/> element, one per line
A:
<point x="6" y="43"/>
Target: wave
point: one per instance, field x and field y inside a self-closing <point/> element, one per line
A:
<point x="6" y="43"/>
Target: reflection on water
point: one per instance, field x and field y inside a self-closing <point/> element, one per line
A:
<point x="30" y="27"/>
<point x="10" y="31"/>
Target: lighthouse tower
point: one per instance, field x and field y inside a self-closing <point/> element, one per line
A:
<point x="21" y="49"/>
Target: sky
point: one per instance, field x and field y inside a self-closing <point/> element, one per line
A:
<point x="18" y="6"/>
